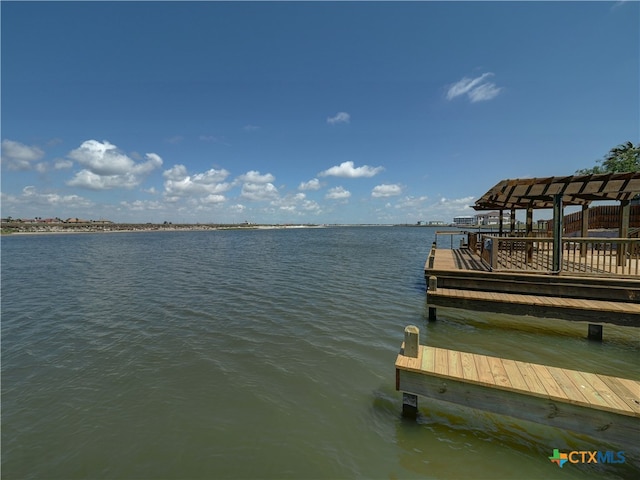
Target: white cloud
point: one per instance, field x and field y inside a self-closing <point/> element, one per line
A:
<point x="102" y="158"/>
<point x="457" y="202"/>
<point x="477" y="89"/>
<point x="178" y="183"/>
<point x="93" y="181"/>
<point x="17" y="156"/>
<point x="61" y="164"/>
<point x="386" y="190"/>
<point x="296" y="202"/>
<point x="412" y="202"/>
<point x="254" y="176"/>
<point x="259" y="191"/>
<point x="177" y="172"/>
<point x="484" y="92"/>
<point x="338" y="193"/>
<point x="313" y="184"/>
<point x="214" y="199"/>
<point x="347" y="169"/>
<point x="251" y="128"/>
<point x="340" y="117"/>
<point x="31" y="195"/>
<point x="106" y="167"/>
<point x="142" y="205"/>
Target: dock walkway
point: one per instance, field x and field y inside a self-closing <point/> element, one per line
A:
<point x="458" y="278"/>
<point x="598" y="405"/>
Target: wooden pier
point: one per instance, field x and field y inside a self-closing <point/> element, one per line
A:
<point x="604" y="407"/>
<point x="531" y="272"/>
<point x="458" y="278"/>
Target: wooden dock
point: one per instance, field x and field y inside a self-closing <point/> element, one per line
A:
<point x="604" y="407"/>
<point x="459" y="278"/>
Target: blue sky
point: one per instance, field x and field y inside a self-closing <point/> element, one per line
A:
<point x="305" y="112"/>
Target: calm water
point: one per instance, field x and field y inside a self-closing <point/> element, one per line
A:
<point x="257" y="354"/>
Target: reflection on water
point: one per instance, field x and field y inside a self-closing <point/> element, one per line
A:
<point x="257" y="354"/>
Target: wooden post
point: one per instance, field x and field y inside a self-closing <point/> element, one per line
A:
<point x="433" y="286"/>
<point x="411" y="349"/>
<point x="500" y="220"/>
<point x="595" y="332"/>
<point x="495" y="247"/>
<point x="529" y="233"/>
<point x="584" y="231"/>
<point x="625" y="212"/>
<point x="557" y="233"/>
<point x="512" y="221"/>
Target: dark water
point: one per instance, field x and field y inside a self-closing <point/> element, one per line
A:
<point x="257" y="354"/>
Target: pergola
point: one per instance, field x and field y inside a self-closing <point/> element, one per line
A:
<point x="555" y="192"/>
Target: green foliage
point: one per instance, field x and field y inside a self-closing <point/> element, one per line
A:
<point x="623" y="158"/>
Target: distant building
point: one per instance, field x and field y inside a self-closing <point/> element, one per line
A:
<point x="492" y="218"/>
<point x="464" y="220"/>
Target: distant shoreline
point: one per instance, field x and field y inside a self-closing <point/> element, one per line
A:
<point x="19" y="228"/>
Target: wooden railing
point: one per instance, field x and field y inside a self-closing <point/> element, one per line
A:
<point x="601" y="216"/>
<point x="588" y="256"/>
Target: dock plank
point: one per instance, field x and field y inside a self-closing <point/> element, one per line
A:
<point x="499" y="373"/>
<point x="515" y="377"/>
<point x="551" y="386"/>
<point x="484" y="370"/>
<point x="573" y="394"/>
<point x="591" y="394"/>
<point x="455" y="364"/>
<point x="531" y="378"/>
<point x="441" y="361"/>
<point x="612" y="399"/>
<point x="626" y="391"/>
<point x="428" y="359"/>
<point x="469" y="370"/>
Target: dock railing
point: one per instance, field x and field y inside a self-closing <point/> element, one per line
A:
<point x="589" y="256"/>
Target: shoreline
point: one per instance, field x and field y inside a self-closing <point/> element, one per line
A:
<point x="57" y="229"/>
<point x="19" y="228"/>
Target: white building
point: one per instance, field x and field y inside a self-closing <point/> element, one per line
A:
<point x="492" y="218"/>
<point x="464" y="220"/>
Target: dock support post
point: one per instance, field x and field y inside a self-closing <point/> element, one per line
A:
<point x="433" y="286"/>
<point x="595" y="332"/>
<point x="411" y="349"/>
<point x="625" y="209"/>
<point x="557" y="233"/>
<point x="584" y="230"/>
<point x="529" y="233"/>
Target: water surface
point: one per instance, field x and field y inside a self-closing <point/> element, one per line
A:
<point x="257" y="354"/>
